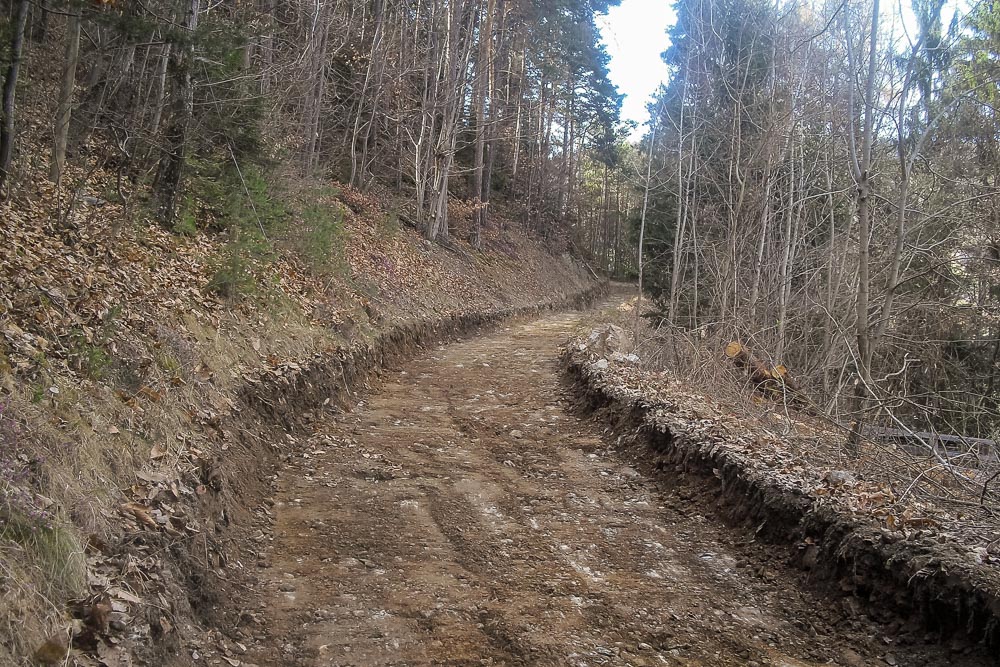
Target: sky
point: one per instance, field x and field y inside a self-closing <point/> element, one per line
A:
<point x="634" y="34"/>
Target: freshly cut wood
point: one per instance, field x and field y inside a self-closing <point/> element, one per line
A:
<point x="774" y="381"/>
<point x="757" y="369"/>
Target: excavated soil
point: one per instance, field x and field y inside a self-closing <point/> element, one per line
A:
<point x="467" y="515"/>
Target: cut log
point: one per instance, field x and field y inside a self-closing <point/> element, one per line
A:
<point x="773" y="381"/>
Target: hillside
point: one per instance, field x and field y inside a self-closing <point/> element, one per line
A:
<point x="894" y="533"/>
<point x="123" y="369"/>
<point x="214" y="228"/>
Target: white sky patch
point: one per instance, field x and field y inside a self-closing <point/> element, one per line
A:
<point x="635" y="34"/>
<point x="904" y="22"/>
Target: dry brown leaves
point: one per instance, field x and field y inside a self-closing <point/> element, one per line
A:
<point x="799" y="454"/>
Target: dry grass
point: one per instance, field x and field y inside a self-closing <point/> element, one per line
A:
<point x="31" y="614"/>
<point x="42" y="559"/>
<point x="76" y="442"/>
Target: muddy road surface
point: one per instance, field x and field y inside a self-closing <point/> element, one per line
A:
<point x="465" y="514"/>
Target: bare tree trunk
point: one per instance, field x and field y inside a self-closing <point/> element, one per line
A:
<point x="861" y="165"/>
<point x="682" y="208"/>
<point x="906" y="163"/>
<point x="517" y="118"/>
<point x="9" y="88"/>
<point x="161" y="89"/>
<point x="484" y="91"/>
<point x="454" y="64"/>
<point x="39" y="21"/>
<point x="316" y="87"/>
<point x="357" y="161"/>
<point x="64" y="111"/>
<point x="642" y="217"/>
<point x="784" y="265"/>
<point x="442" y="41"/>
<point x="569" y="147"/>
<point x="171" y="166"/>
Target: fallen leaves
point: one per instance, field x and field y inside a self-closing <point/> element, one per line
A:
<point x="161" y="502"/>
<point x="793" y="463"/>
<point x="141" y="513"/>
<point x="92" y="636"/>
<point x="54" y="650"/>
<point x="72" y="293"/>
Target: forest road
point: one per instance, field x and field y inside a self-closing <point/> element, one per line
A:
<point x="464" y="515"/>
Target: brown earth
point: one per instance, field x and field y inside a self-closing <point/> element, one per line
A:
<point x="466" y="515"/>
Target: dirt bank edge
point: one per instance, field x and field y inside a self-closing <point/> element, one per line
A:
<point x="914" y="579"/>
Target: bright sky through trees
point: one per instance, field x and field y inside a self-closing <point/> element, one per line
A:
<point x="635" y="36"/>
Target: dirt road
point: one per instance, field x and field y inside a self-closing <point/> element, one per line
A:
<point x="464" y="515"/>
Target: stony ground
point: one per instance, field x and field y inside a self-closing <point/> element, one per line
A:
<point x="465" y="515"/>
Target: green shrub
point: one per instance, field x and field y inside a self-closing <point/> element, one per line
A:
<point x="235" y="274"/>
<point x="321" y="238"/>
<point x="186" y="223"/>
<point x="95" y="363"/>
<point x="242" y="204"/>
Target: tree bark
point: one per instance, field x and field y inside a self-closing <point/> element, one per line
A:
<point x="39" y="21"/>
<point x="642" y="217"/>
<point x="862" y="167"/>
<point x="171" y="166"/>
<point x="65" y="108"/>
<point x="9" y="89"/>
<point x="484" y="91"/>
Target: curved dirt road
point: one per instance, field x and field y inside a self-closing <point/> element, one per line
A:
<point x="463" y="516"/>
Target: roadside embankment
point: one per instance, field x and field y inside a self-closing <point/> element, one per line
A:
<point x="913" y="576"/>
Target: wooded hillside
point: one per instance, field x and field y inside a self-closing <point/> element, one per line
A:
<point x="212" y="209"/>
<point x="195" y="108"/>
<point x="222" y="223"/>
<point x="824" y="189"/>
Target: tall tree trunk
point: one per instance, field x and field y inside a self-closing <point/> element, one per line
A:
<point x="65" y="108"/>
<point x="316" y="87"/>
<point x="357" y="176"/>
<point x="161" y="89"/>
<point x="39" y="20"/>
<point x="642" y="217"/>
<point x="454" y="64"/>
<point x="171" y="166"/>
<point x="517" y="116"/>
<point x="484" y="90"/>
<point x="9" y="89"/>
<point x="862" y="175"/>
<point x="906" y="163"/>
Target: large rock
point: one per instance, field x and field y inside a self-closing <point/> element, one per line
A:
<point x="609" y="341"/>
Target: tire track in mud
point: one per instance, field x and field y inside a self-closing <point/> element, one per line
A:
<point x="465" y="516"/>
